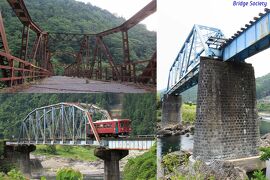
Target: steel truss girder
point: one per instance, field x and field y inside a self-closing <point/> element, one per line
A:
<point x="25" y="66"/>
<point x="60" y="122"/>
<point x="21" y="12"/>
<point x="40" y="54"/>
<point x="250" y="40"/>
<point x="187" y="61"/>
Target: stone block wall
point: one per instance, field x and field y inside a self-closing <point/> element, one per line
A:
<point x="226" y="122"/>
<point x="171" y="113"/>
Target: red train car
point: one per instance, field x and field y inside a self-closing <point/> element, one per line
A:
<point x="111" y="127"/>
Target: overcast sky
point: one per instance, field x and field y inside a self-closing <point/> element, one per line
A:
<point x="177" y="17"/>
<point x="126" y="9"/>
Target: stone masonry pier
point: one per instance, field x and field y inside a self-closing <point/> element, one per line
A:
<point x="171" y="113"/>
<point x="226" y="122"/>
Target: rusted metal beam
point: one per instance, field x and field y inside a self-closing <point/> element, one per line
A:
<point x="21" y="12"/>
<point x="24" y="44"/>
<point x="138" y="17"/>
<point x="3" y="37"/>
<point x="149" y="72"/>
<point x="109" y="56"/>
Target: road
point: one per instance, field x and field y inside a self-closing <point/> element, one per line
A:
<point x="63" y="84"/>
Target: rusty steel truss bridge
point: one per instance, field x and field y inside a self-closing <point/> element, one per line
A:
<point x="67" y="124"/>
<point x="34" y="61"/>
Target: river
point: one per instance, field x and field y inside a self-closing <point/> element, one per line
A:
<point x="47" y="166"/>
<point x="176" y="143"/>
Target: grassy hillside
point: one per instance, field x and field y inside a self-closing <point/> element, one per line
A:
<point x="142" y="167"/>
<point x="73" y="152"/>
<point x="263" y="86"/>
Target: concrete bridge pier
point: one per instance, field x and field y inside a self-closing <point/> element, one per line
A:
<point x="19" y="155"/>
<point x="111" y="161"/>
<point x="171" y="110"/>
<point x="226" y="120"/>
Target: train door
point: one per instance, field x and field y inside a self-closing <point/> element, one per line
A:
<point x="116" y="128"/>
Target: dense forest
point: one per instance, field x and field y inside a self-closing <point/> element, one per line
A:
<point x="140" y="108"/>
<point x="263" y="86"/>
<point x="71" y="16"/>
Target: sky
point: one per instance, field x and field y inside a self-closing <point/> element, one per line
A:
<point x="126" y="9"/>
<point x="176" y="19"/>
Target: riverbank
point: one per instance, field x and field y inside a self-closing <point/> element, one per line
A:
<point x="47" y="166"/>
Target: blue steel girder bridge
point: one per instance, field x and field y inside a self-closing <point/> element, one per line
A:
<point x="210" y="42"/>
<point x="68" y="124"/>
<point x="34" y="61"/>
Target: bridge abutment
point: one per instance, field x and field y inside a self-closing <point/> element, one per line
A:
<point x="18" y="155"/>
<point x="171" y="110"/>
<point x="111" y="161"/>
<point x="226" y="122"/>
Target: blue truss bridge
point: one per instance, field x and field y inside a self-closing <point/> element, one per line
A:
<point x="204" y="41"/>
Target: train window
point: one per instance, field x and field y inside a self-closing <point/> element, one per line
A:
<point x="107" y="125"/>
<point x="122" y="124"/>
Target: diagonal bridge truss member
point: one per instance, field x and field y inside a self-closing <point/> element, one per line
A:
<point x="62" y="123"/>
<point x="127" y="70"/>
<point x="34" y="59"/>
<point x="31" y="63"/>
<point x="201" y="41"/>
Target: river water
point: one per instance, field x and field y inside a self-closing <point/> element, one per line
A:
<point x="176" y="143"/>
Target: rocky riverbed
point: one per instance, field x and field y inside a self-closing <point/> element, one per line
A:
<point x="175" y="130"/>
<point x="216" y="168"/>
<point x="48" y="166"/>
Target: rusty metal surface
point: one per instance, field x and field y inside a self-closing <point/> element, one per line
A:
<point x="138" y="17"/>
<point x="86" y="65"/>
<point x="21" y="12"/>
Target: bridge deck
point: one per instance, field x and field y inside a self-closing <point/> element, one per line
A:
<point x="120" y="144"/>
<point x="63" y="84"/>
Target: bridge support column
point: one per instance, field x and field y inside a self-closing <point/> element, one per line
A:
<point x="111" y="162"/>
<point x="226" y="123"/>
<point x="19" y="155"/>
<point x="171" y="113"/>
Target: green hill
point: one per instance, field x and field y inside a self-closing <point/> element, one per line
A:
<point x="77" y="17"/>
<point x="263" y="86"/>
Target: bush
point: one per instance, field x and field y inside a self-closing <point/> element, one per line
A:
<point x="171" y="162"/>
<point x="6" y="167"/>
<point x="68" y="174"/>
<point x="266" y="153"/>
<point x="258" y="175"/>
<point x="48" y="149"/>
<point x="142" y="167"/>
<point x="188" y="113"/>
<point x="16" y="175"/>
<point x="66" y="148"/>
